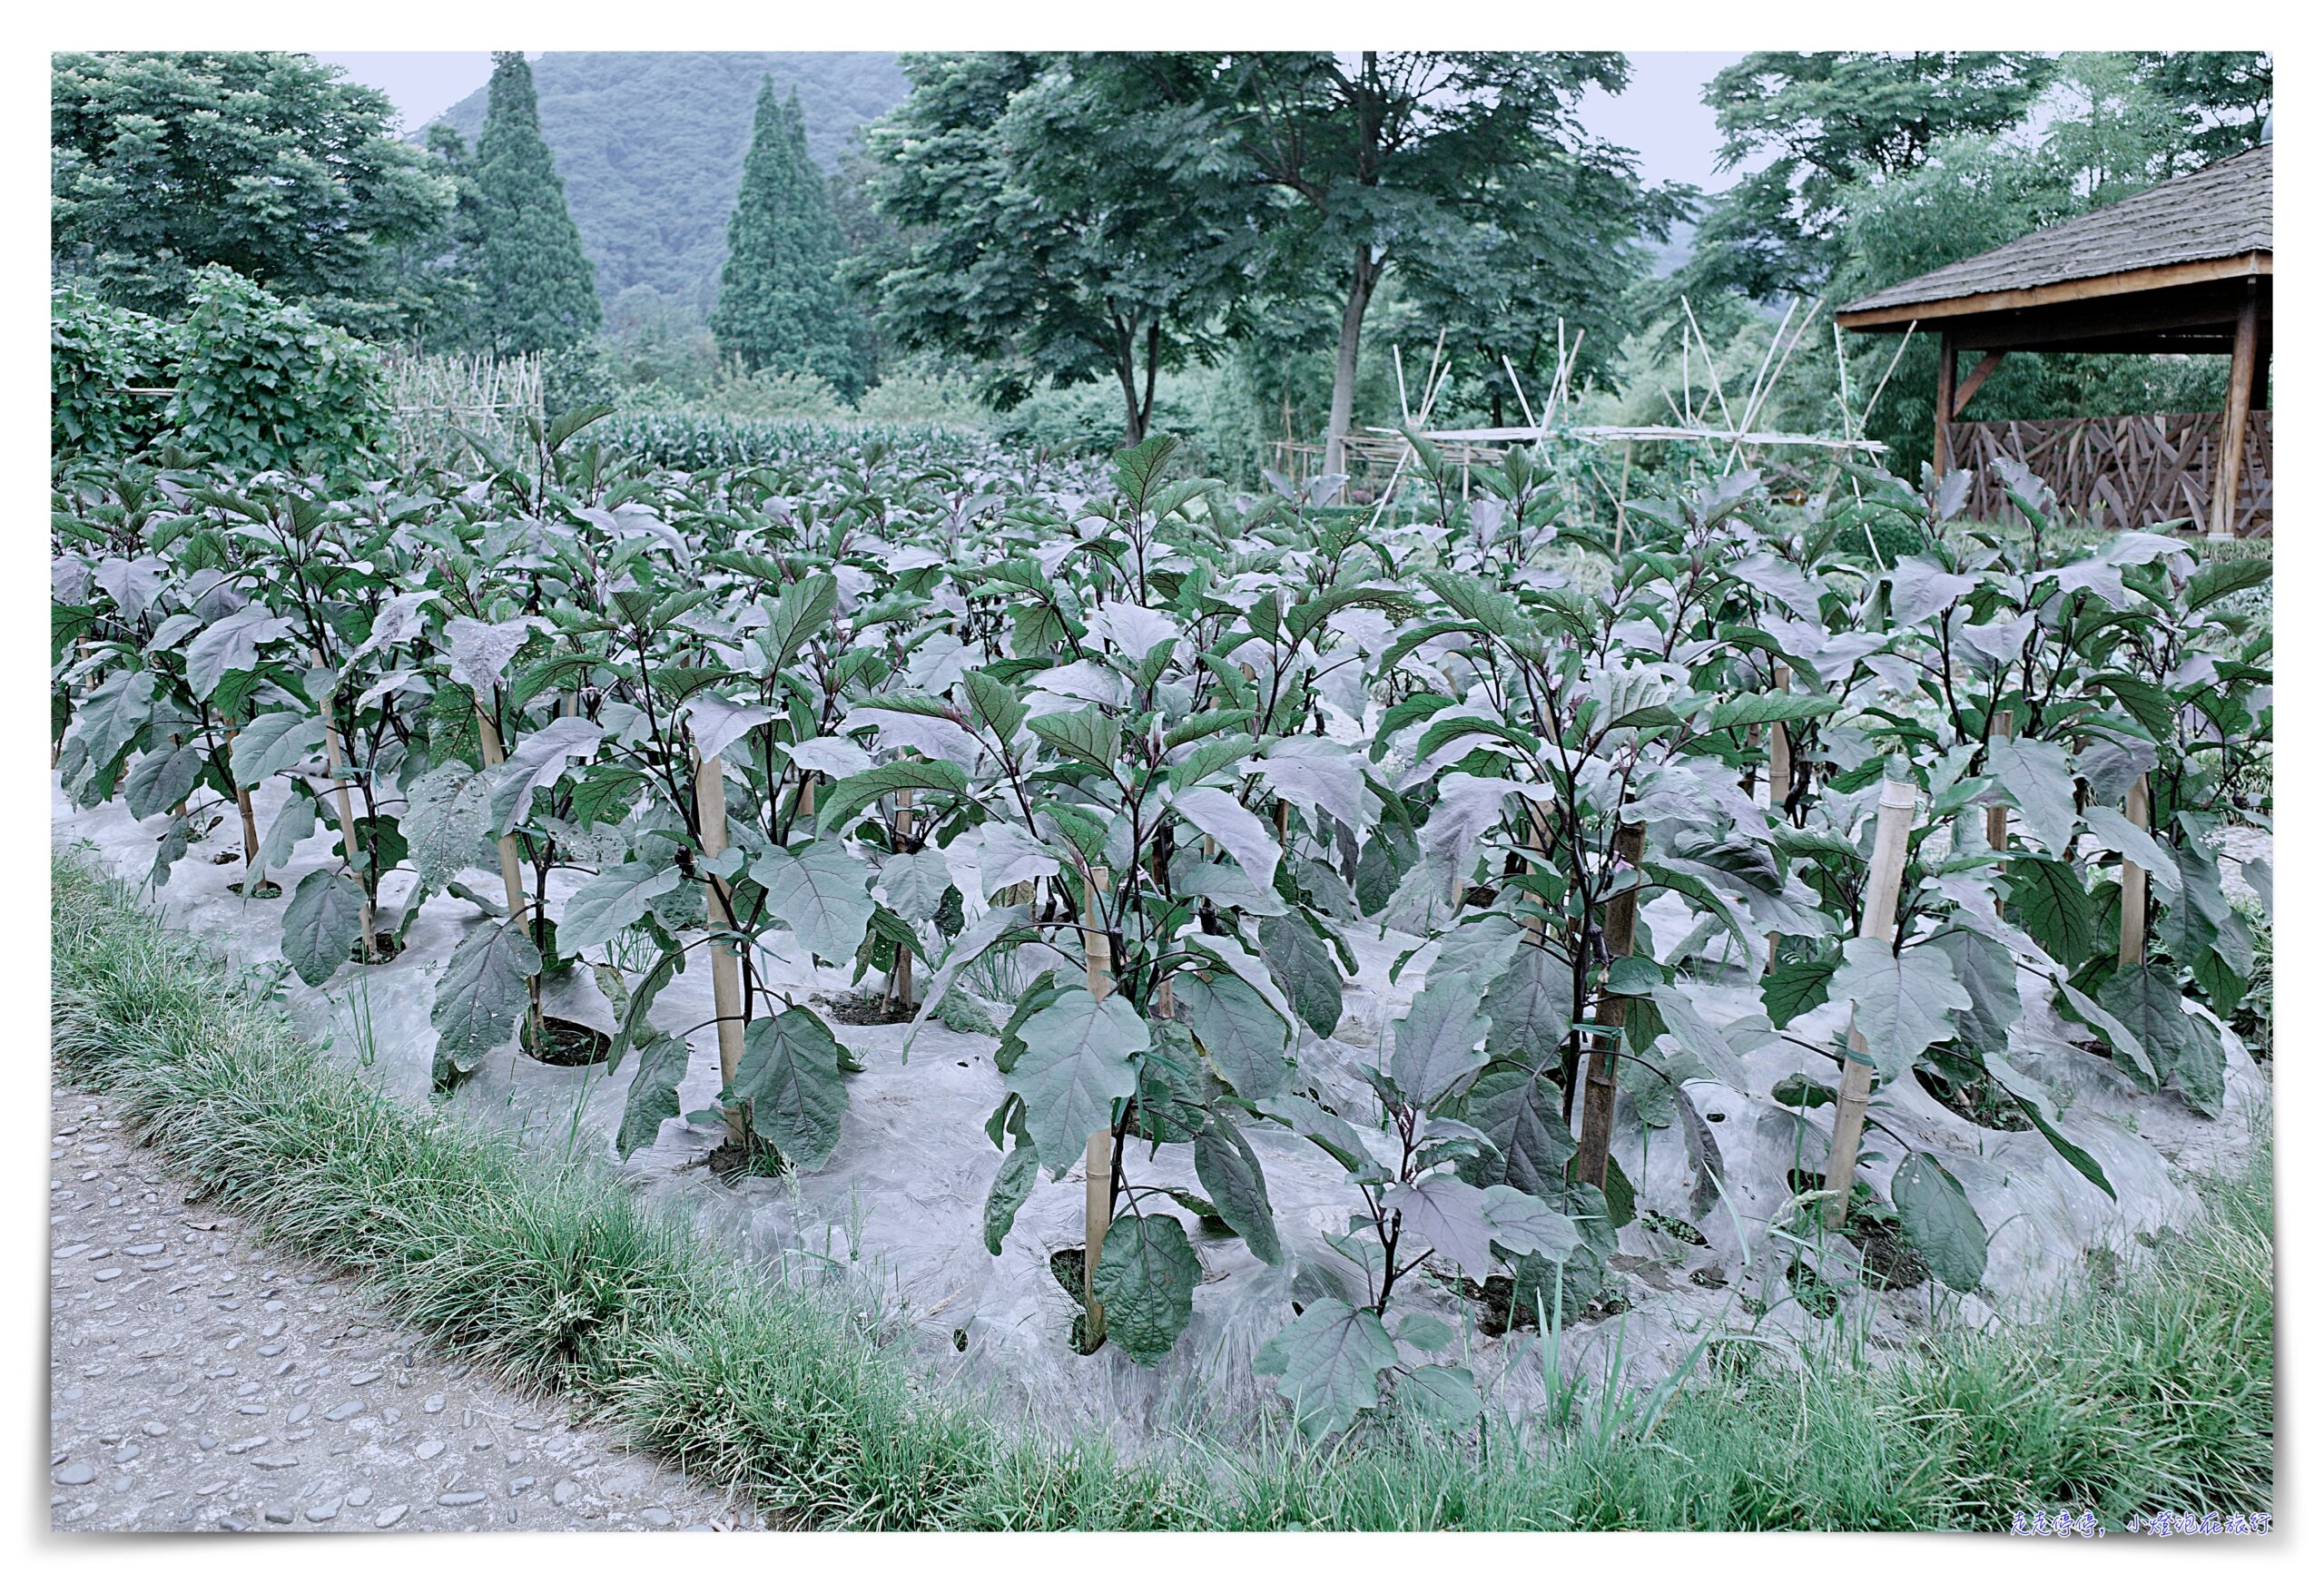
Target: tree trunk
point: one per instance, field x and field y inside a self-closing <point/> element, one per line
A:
<point x="1359" y="297"/>
<point x="1126" y="370"/>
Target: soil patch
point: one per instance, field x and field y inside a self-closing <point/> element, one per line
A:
<point x="568" y="1044"/>
<point x="865" y="1009"/>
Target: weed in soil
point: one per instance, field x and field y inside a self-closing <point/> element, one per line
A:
<point x="570" y="1044"/>
<point x="264" y="890"/>
<point x="1495" y="1297"/>
<point x="865" y="1009"/>
<point x="732" y="1162"/>
<point x="385" y="948"/>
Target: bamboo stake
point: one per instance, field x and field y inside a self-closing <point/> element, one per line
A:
<point x="1605" y="1053"/>
<point x="488" y="741"/>
<point x="249" y="819"/>
<point x="1996" y="815"/>
<point x="1098" y="1161"/>
<point x="899" y="976"/>
<point x="1890" y="842"/>
<point x="725" y="966"/>
<point x="1779" y="771"/>
<point x="2137" y="807"/>
<point x="335" y="754"/>
<point x="1622" y="506"/>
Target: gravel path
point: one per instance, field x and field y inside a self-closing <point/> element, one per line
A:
<point x="199" y="1380"/>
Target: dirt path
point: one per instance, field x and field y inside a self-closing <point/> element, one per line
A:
<point x="199" y="1381"/>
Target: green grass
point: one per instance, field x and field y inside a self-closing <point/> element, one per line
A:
<point x="2155" y="1390"/>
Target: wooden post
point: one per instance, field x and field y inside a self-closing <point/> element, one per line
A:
<point x="489" y="748"/>
<point x="2229" y="482"/>
<point x="1778" y="773"/>
<point x="335" y="754"/>
<point x="1997" y="814"/>
<point x="2138" y="810"/>
<point x="1891" y="842"/>
<point x="1605" y="1053"/>
<point x="899" y="976"/>
<point x="1622" y="505"/>
<point x="725" y="966"/>
<point x="1098" y="1161"/>
<point x="250" y="816"/>
<point x="1947" y="350"/>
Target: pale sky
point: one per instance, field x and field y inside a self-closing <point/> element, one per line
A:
<point x="1661" y="114"/>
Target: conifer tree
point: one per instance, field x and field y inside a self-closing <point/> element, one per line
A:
<point x="536" y="289"/>
<point x="779" y="302"/>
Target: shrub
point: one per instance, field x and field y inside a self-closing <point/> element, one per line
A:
<point x="263" y="384"/>
<point x="96" y="352"/>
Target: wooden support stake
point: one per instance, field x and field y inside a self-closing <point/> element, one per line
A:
<point x="899" y="976"/>
<point x="512" y="876"/>
<point x="1779" y="771"/>
<point x="1892" y="839"/>
<point x="335" y="754"/>
<point x="725" y="966"/>
<point x="249" y="817"/>
<point x="1997" y="815"/>
<point x="2137" y="807"/>
<point x="1605" y="1054"/>
<point x="1098" y="1161"/>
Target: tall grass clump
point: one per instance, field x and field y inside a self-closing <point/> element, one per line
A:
<point x="2145" y="1388"/>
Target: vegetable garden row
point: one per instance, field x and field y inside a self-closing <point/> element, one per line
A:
<point x="1866" y="857"/>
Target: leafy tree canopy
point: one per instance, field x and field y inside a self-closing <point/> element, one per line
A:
<point x="536" y="289"/>
<point x="162" y="162"/>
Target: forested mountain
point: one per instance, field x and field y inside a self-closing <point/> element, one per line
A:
<point x="650" y="145"/>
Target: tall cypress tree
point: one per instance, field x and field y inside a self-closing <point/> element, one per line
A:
<point x="779" y="302"/>
<point x="538" y="291"/>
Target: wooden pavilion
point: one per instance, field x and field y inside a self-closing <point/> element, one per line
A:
<point x="2186" y="266"/>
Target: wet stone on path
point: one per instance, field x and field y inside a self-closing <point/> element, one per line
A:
<point x="200" y="1382"/>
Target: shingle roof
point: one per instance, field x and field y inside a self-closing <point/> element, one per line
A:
<point x="2220" y="212"/>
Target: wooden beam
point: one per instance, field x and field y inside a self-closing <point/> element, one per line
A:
<point x="1948" y="352"/>
<point x="1985" y="365"/>
<point x="2123" y="283"/>
<point x="2265" y="352"/>
<point x="2229" y="478"/>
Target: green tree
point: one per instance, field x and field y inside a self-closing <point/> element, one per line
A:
<point x="779" y="302"/>
<point x="2112" y="131"/>
<point x="163" y="161"/>
<point x="1826" y="121"/>
<point x="535" y="288"/>
<point x="1059" y="218"/>
<point x="1394" y="161"/>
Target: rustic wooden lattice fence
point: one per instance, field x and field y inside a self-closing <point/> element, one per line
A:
<point x="2124" y="472"/>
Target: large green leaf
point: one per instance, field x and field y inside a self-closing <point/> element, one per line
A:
<point x="1789" y="990"/>
<point x="2043" y="1111"/>
<point x="1329" y="1360"/>
<point x="1020" y="1170"/>
<point x="609" y="902"/>
<point x="1079" y="1058"/>
<point x="482" y="992"/>
<point x="1521" y="1111"/>
<point x="1939" y="1221"/>
<point x="2051" y="900"/>
<point x="851" y="796"/>
<point x="445" y="819"/>
<point x="2035" y="775"/>
<point x="788" y="1075"/>
<point x="1531" y="1007"/>
<point x="2147" y="1001"/>
<point x="161" y="779"/>
<point x="1904" y="1000"/>
<point x="274" y="741"/>
<point x="231" y="644"/>
<point x="1306" y="969"/>
<point x="1439" y="1041"/>
<point x="652" y="1093"/>
<point x="1146" y="1277"/>
<point x="1244" y="836"/>
<point x="537" y="763"/>
<point x="820" y="893"/>
<point x="1229" y="1171"/>
<point x="1989" y="973"/>
<point x="1240" y="1035"/>
<point x="1443" y="1394"/>
<point x="112" y="714"/>
<point x="322" y="924"/>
